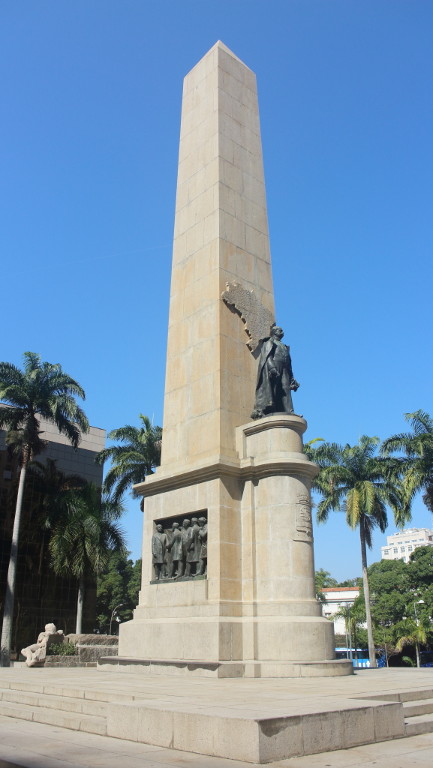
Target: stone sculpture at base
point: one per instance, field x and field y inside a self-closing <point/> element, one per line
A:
<point x="35" y="654"/>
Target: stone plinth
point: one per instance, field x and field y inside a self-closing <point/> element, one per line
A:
<point x="256" y="612"/>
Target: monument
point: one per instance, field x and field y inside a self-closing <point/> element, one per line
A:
<point x="228" y="566"/>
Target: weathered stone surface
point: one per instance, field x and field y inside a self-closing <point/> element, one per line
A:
<point x="258" y="319"/>
<point x="88" y="639"/>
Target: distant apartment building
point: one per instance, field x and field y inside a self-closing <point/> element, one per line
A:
<point x="336" y="599"/>
<point x="400" y="545"/>
<point x="42" y="597"/>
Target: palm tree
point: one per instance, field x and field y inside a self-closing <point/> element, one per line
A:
<point x="354" y="479"/>
<point x="136" y="457"/>
<point x="39" y="390"/>
<point x="84" y="538"/>
<point x="417" y="460"/>
<point x="411" y="633"/>
<point x="52" y="487"/>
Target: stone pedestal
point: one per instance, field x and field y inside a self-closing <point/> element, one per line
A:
<point x="256" y="613"/>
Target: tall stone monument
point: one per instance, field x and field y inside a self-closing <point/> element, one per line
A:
<point x="228" y="569"/>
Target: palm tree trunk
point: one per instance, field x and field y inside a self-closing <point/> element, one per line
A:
<point x="418" y="660"/>
<point x="80" y="601"/>
<point x="371" y="650"/>
<point x="8" y="613"/>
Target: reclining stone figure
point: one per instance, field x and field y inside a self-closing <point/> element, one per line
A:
<point x="35" y="654"/>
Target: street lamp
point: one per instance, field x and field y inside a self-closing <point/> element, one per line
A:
<point x="418" y="660"/>
<point x="112" y="615"/>
<point x="350" y="635"/>
<point x="418" y="602"/>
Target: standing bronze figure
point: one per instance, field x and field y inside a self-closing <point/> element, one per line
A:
<point x="159" y="546"/>
<point x="275" y="380"/>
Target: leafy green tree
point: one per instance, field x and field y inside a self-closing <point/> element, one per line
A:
<point x="354" y="479"/>
<point x="117" y="586"/>
<point x="134" y="584"/>
<point x="420" y="568"/>
<point x="355" y="582"/>
<point x="39" y="390"/>
<point x="136" y="457"/>
<point x="411" y="633"/>
<point x="51" y="487"/>
<point x="417" y="459"/>
<point x="323" y="580"/>
<point x="83" y="538"/>
<point x="353" y="617"/>
<point x="389" y="591"/>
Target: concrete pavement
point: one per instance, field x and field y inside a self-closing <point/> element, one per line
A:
<point x="35" y="745"/>
<point x="165" y="718"/>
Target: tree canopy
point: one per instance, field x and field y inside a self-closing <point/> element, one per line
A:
<point x="44" y="390"/>
<point x="136" y="457"/>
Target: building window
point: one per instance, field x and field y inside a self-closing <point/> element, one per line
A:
<point x="409" y="549"/>
<point x="386" y="551"/>
<point x="395" y="551"/>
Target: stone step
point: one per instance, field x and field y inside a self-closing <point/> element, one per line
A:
<point x="67" y="703"/>
<point x="68" y="691"/>
<point x="58" y="717"/>
<point x="404" y="695"/>
<point x="418" y="724"/>
<point x="418" y="707"/>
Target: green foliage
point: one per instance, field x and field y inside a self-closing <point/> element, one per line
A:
<point x="420" y="567"/>
<point x="389" y="591"/>
<point x="415" y="451"/>
<point x="324" y="580"/>
<point x="355" y="582"/>
<point x="136" y="457"/>
<point x="86" y="533"/>
<point x="354" y="479"/>
<point x="118" y="584"/>
<point x="40" y="389"/>
<point x="61" y="649"/>
<point x="396" y="589"/>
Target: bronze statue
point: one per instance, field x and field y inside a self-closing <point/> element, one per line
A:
<point x="179" y="550"/>
<point x="202" y="534"/>
<point x="185" y="533"/>
<point x="176" y="548"/>
<point x="159" y="545"/>
<point x="275" y="380"/>
<point x="193" y="553"/>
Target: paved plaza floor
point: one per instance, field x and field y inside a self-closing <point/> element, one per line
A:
<point x="31" y="744"/>
<point x="34" y="745"/>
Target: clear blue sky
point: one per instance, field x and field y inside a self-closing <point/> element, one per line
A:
<point x="91" y="97"/>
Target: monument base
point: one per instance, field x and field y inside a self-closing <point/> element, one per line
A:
<point x="224" y="669"/>
<point x="256" y="613"/>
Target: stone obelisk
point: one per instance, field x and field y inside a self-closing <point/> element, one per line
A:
<point x="254" y="611"/>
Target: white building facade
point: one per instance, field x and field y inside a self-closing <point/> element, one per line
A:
<point x="336" y="599"/>
<point x="400" y="545"/>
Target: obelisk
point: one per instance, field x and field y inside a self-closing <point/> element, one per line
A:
<point x="250" y="609"/>
<point x="220" y="236"/>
